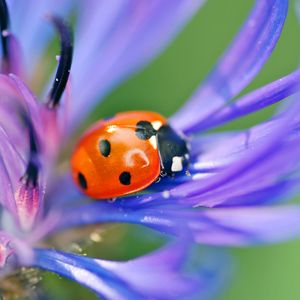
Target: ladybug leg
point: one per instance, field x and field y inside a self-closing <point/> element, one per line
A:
<point x="173" y="151"/>
<point x="163" y="174"/>
<point x="187" y="159"/>
<point x="157" y="180"/>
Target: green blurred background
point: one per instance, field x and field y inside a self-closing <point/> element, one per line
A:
<point x="269" y="272"/>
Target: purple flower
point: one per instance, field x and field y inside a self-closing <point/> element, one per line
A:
<point x="32" y="133"/>
<point x="234" y="176"/>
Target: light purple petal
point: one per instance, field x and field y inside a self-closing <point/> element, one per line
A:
<point x="21" y="199"/>
<point x="29" y="24"/>
<point x="13" y="63"/>
<point x="12" y="163"/>
<point x="50" y="125"/>
<point x="155" y="276"/>
<point x="237" y="226"/>
<point x="217" y="150"/>
<point x="13" y="251"/>
<point x="246" y="226"/>
<point x="259" y="99"/>
<point x="16" y="56"/>
<point x="7" y="195"/>
<point x="268" y="175"/>
<point x="250" y="159"/>
<point x="103" y="212"/>
<point x="16" y="95"/>
<point x="124" y="39"/>
<point x="238" y="66"/>
<point x="13" y="160"/>
<point x="26" y="95"/>
<point x="220" y="151"/>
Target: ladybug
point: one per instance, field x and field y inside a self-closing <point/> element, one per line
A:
<point x="126" y="153"/>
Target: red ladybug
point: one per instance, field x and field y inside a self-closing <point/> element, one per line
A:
<point x="127" y="153"/>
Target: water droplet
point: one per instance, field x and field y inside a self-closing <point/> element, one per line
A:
<point x="166" y="194"/>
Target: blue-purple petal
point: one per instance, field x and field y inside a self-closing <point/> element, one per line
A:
<point x="237" y="67"/>
<point x="250" y="159"/>
<point x="236" y="226"/>
<point x="30" y="25"/>
<point x="256" y="100"/>
<point x="244" y="226"/>
<point x="158" y="275"/>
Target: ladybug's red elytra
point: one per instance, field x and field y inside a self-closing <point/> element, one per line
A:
<point x="126" y="153"/>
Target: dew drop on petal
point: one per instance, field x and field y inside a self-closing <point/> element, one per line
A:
<point x="5" y="33"/>
<point x="166" y="194"/>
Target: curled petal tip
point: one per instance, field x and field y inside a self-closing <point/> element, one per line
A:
<point x="64" y="61"/>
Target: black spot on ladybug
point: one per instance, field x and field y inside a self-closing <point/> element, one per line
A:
<point x="144" y="130"/>
<point x="125" y="178"/>
<point x="104" y="146"/>
<point x="82" y="181"/>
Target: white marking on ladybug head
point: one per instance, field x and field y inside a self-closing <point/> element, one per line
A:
<point x="156" y="124"/>
<point x="177" y="164"/>
<point x="153" y="142"/>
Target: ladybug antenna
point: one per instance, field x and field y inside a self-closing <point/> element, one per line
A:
<point x="30" y="177"/>
<point x="4" y="25"/>
<point x="65" y="61"/>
